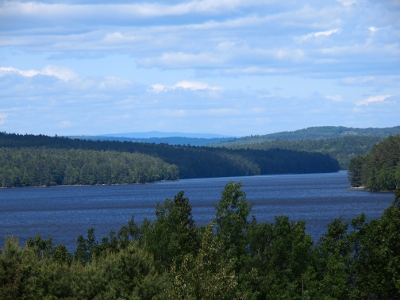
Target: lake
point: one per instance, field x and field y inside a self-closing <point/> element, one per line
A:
<point x="65" y="212"/>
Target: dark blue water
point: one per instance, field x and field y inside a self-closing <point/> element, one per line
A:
<point x="64" y="213"/>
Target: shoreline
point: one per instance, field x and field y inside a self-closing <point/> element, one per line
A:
<point x="362" y="188"/>
<point x="357" y="188"/>
<point x="78" y="185"/>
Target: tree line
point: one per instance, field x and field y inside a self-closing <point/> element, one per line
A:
<point x="192" y="161"/>
<point x="314" y="133"/>
<point x="234" y="257"/>
<point x="21" y="167"/>
<point x="379" y="170"/>
<point x="343" y="148"/>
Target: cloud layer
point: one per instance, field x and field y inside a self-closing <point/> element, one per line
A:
<point x="223" y="35"/>
<point x="229" y="66"/>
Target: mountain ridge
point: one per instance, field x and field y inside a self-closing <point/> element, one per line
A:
<point x="161" y="134"/>
<point x="157" y="140"/>
<point x="312" y="133"/>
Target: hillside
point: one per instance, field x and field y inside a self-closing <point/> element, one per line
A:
<point x="313" y="133"/>
<point x="193" y="162"/>
<point x="342" y="148"/>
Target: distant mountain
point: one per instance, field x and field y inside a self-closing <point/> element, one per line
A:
<point x="159" y="134"/>
<point x="157" y="140"/>
<point x="313" y="133"/>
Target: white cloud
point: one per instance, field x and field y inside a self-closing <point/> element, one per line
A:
<point x="33" y="106"/>
<point x="118" y="37"/>
<point x="347" y="2"/>
<point x="377" y="81"/>
<point x="194" y="85"/>
<point x="373" y="29"/>
<point x="114" y="83"/>
<point x="288" y="53"/>
<point x="354" y="80"/>
<point x="224" y="111"/>
<point x="214" y="35"/>
<point x="181" y="60"/>
<point x="251" y="71"/>
<point x="62" y="73"/>
<point x="373" y="99"/>
<point x="10" y="70"/>
<point x="318" y="34"/>
<point x="185" y="85"/>
<point x="336" y="98"/>
<point x="147" y="10"/>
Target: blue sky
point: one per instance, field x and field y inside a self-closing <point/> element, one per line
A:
<point x="232" y="67"/>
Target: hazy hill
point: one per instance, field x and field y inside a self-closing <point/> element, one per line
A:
<point x="313" y="133"/>
<point x="159" y="134"/>
<point x="172" y="140"/>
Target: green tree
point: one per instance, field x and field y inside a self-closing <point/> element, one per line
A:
<point x="327" y="276"/>
<point x="128" y="274"/>
<point x="203" y="275"/>
<point x="20" y="272"/>
<point x="376" y="269"/>
<point x="355" y="171"/>
<point x="173" y="234"/>
<point x="231" y="220"/>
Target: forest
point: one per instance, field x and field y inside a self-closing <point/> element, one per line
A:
<point x="342" y="148"/>
<point x="234" y="257"/>
<point x="191" y="161"/>
<point x="314" y="133"/>
<point x="378" y="170"/>
<point x="23" y="167"/>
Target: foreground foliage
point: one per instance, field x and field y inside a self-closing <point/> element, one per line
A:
<point x="234" y="257"/>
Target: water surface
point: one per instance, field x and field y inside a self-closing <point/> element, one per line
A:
<point x="64" y="213"/>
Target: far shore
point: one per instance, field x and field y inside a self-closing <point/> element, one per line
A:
<point x="77" y="185"/>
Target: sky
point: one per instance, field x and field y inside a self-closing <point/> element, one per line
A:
<point x="230" y="67"/>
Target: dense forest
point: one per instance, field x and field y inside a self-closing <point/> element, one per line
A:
<point x="192" y="161"/>
<point x="41" y="166"/>
<point x="379" y="170"/>
<point x="314" y="133"/>
<point x="234" y="257"/>
<point x="343" y="148"/>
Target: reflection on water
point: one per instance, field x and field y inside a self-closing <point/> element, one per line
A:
<point x="64" y="213"/>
